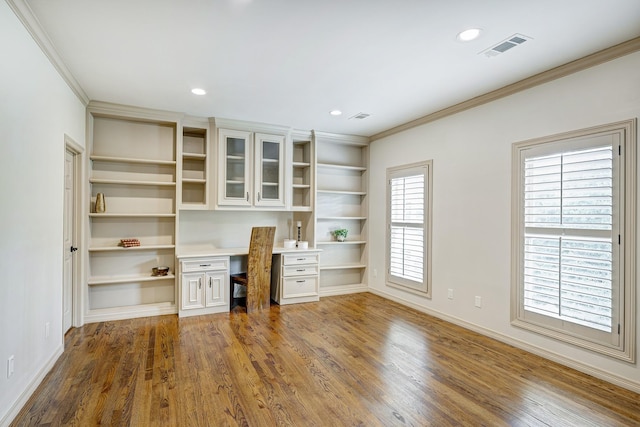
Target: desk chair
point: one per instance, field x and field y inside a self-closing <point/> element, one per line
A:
<point x="257" y="279"/>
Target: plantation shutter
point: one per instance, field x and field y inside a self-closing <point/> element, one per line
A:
<point x="407" y="230"/>
<point x="569" y="237"/>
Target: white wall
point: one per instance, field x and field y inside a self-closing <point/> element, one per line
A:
<point x="37" y="108"/>
<point x="471" y="154"/>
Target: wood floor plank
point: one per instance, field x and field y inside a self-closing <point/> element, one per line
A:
<point x="354" y="360"/>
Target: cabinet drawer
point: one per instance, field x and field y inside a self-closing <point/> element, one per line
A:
<point x="296" y="259"/>
<point x="300" y="270"/>
<point x="205" y="264"/>
<point x="299" y="287"/>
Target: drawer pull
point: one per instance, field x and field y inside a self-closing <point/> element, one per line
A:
<point x="301" y="269"/>
<point x="300" y="281"/>
<point x="301" y="259"/>
<point x="200" y="283"/>
<point x="205" y="265"/>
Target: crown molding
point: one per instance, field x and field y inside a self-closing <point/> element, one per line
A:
<point x="589" y="61"/>
<point x="24" y="12"/>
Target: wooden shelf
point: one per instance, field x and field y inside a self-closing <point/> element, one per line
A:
<point x="342" y="167"/>
<point x="130" y="182"/>
<point x="342" y="192"/>
<point x="132" y="160"/>
<point x="112" y="280"/>
<point x="132" y="215"/>
<point x="194" y="156"/>
<point x="134" y="248"/>
<point x="193" y="181"/>
<point x="341" y="218"/>
<point x="343" y="267"/>
<point x="346" y="242"/>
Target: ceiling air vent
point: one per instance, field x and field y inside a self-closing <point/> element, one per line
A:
<point x="360" y="116"/>
<point x="505" y="45"/>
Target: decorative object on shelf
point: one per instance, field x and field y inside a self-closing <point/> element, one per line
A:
<point x="340" y="234"/>
<point x="160" y="271"/>
<point x="129" y="243"/>
<point x="303" y="244"/>
<point x="299" y="226"/>
<point x="101" y="207"/>
<point x="289" y="243"/>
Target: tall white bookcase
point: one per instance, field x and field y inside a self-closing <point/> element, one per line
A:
<point x="133" y="163"/>
<point x="341" y="202"/>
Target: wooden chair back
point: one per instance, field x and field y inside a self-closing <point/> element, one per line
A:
<point x="259" y="268"/>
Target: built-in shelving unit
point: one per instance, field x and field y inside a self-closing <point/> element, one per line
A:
<point x="133" y="163"/>
<point x="195" y="164"/>
<point x="341" y="202"/>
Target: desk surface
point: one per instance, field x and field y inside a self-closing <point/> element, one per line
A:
<point x="196" y="251"/>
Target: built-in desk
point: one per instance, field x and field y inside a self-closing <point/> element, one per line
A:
<point x="204" y="272"/>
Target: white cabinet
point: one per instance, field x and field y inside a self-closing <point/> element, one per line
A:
<point x="295" y="277"/>
<point x="250" y="169"/>
<point x="204" y="286"/>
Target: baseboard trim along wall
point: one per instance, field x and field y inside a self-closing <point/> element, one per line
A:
<point x="554" y="357"/>
<point x="31" y="387"/>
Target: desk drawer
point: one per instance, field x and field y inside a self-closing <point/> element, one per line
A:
<point x="297" y="259"/>
<point x="300" y="270"/>
<point x="299" y="287"/>
<point x="205" y="264"/>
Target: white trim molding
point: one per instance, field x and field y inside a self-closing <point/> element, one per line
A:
<point x="24" y="12"/>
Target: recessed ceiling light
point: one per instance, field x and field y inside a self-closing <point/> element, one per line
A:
<point x="468" y="35"/>
<point x="335" y="112"/>
<point x="198" y="91"/>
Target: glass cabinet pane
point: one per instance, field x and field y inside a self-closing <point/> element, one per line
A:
<point x="271" y="170"/>
<point x="235" y="167"/>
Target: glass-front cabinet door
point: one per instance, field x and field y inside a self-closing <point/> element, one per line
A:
<point x="234" y="179"/>
<point x="269" y="170"/>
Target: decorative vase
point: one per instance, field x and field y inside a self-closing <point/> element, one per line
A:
<point x="100" y="204"/>
<point x="341" y="238"/>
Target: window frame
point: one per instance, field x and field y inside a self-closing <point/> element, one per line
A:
<point x="625" y="211"/>
<point x="424" y="168"/>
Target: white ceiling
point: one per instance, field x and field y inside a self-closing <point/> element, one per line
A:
<point x="290" y="62"/>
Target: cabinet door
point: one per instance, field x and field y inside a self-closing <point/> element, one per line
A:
<point x="216" y="289"/>
<point x="269" y="170"/>
<point x="235" y="168"/>
<point x="192" y="290"/>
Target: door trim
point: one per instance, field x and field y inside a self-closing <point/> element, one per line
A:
<point x="78" y="297"/>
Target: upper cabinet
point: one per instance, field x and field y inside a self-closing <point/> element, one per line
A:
<point x="251" y="169"/>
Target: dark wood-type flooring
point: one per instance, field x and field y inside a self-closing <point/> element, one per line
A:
<point x="354" y="360"/>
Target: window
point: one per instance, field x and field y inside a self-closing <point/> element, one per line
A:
<point x="574" y="238"/>
<point x="409" y="227"/>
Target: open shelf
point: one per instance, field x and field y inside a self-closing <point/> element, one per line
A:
<point x="113" y="159"/>
<point x="130" y="182"/>
<point x="107" y="280"/>
<point x="133" y="248"/>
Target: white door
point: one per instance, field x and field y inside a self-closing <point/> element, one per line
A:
<point x="69" y="240"/>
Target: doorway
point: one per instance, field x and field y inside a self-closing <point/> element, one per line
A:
<point x="71" y="236"/>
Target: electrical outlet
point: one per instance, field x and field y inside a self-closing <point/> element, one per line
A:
<point x="10" y="366"/>
<point x="47" y="329"/>
<point x="478" y="302"/>
<point x="375" y="272"/>
<point x="450" y="293"/>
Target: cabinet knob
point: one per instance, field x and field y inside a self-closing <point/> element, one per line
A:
<point x="247" y="196"/>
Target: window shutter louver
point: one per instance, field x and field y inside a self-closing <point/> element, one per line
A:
<point x="568" y="211"/>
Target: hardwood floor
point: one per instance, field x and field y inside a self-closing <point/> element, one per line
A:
<point x="348" y="360"/>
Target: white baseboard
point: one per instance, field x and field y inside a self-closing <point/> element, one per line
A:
<point x="571" y="363"/>
<point x="343" y="290"/>
<point x="31" y="387"/>
<point x="130" y="312"/>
